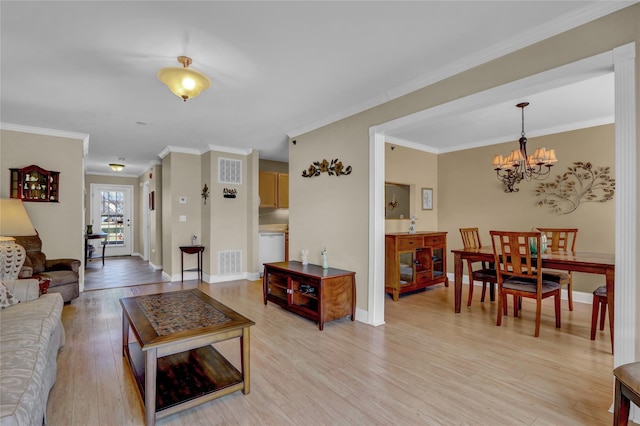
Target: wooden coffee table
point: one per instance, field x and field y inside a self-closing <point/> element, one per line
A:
<point x="172" y="359"/>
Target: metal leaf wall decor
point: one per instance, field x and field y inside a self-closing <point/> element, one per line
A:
<point x="580" y="184"/>
<point x="334" y="168"/>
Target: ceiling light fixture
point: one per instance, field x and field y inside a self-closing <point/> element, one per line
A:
<point x="519" y="166"/>
<point x="186" y="83"/>
<point x="116" y="167"/>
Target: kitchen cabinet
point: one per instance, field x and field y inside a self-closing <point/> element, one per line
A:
<point x="414" y="261"/>
<point x="273" y="188"/>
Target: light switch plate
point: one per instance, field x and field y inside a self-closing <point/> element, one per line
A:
<point x="182" y="218"/>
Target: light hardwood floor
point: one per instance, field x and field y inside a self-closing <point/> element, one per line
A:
<point x="120" y="271"/>
<point x="426" y="365"/>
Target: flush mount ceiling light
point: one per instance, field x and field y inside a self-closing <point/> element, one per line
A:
<point x="186" y="83"/>
<point x="116" y="167"/>
<point x="519" y="166"/>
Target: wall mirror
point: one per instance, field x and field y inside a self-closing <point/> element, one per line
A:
<point x="397" y="198"/>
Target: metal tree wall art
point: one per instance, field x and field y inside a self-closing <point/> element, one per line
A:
<point x="580" y="184"/>
<point x="334" y="168"/>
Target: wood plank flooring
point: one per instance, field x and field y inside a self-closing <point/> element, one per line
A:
<point x="121" y="271"/>
<point x="426" y="365"/>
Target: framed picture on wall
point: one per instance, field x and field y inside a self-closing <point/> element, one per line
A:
<point x="152" y="200"/>
<point x="427" y="198"/>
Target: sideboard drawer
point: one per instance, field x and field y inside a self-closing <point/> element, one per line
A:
<point x="433" y="240"/>
<point x="409" y="243"/>
<point x="423" y="277"/>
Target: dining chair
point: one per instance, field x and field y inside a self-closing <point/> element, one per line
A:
<point x="561" y="239"/>
<point x="519" y="275"/>
<point x="486" y="274"/>
<point x="626" y="391"/>
<point x="599" y="306"/>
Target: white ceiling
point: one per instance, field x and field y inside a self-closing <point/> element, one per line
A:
<point x="278" y="69"/>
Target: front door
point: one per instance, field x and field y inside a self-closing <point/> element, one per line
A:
<point x="111" y="212"/>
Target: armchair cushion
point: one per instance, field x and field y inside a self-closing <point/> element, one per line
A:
<point x="36" y="261"/>
<point x="63" y="273"/>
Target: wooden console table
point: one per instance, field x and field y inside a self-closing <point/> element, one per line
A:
<point x="198" y="250"/>
<point x="320" y="295"/>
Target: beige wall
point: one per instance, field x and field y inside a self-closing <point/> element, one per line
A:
<point x="180" y="178"/>
<point x="420" y="170"/>
<point x="472" y="196"/>
<point x="334" y="211"/>
<point x="229" y="219"/>
<point x="60" y="225"/>
<point x="273" y="166"/>
<point x="221" y="224"/>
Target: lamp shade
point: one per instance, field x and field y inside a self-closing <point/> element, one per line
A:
<point x="184" y="82"/>
<point x="14" y="220"/>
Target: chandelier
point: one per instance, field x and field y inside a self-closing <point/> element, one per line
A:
<point x="184" y="82"/>
<point x="518" y="166"/>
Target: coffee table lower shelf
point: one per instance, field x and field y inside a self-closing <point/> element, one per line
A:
<point x="186" y="379"/>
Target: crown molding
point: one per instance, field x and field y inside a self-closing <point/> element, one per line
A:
<point x="218" y="148"/>
<point x="229" y="150"/>
<point x="49" y="132"/>
<point x="413" y="145"/>
<point x="171" y="148"/>
<point x="554" y="27"/>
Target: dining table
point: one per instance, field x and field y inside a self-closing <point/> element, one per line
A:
<point x="577" y="261"/>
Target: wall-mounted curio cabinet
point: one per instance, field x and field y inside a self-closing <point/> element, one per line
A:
<point x="33" y="183"/>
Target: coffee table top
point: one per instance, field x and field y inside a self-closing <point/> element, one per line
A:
<point x="158" y="319"/>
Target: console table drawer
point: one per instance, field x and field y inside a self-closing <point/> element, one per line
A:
<point x="423" y="277"/>
<point x="434" y="240"/>
<point x="409" y="243"/>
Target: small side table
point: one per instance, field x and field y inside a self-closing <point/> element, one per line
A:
<point x="197" y="250"/>
<point x="87" y="237"/>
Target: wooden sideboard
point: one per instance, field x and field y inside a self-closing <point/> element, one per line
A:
<point x="414" y="261"/>
<point x="320" y="295"/>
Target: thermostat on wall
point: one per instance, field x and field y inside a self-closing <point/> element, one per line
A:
<point x="182" y="200"/>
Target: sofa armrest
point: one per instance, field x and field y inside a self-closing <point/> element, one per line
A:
<point x="62" y="265"/>
<point x="24" y="290"/>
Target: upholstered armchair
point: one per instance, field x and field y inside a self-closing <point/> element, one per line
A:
<point x="62" y="273"/>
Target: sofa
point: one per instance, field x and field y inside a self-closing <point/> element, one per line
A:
<point x="31" y="333"/>
<point x="63" y="273"/>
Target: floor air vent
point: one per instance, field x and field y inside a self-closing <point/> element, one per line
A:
<point x="230" y="262"/>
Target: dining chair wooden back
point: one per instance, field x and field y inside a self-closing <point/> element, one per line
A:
<point x="519" y="275"/>
<point x="563" y="240"/>
<point x="560" y="239"/>
<point x="485" y="273"/>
